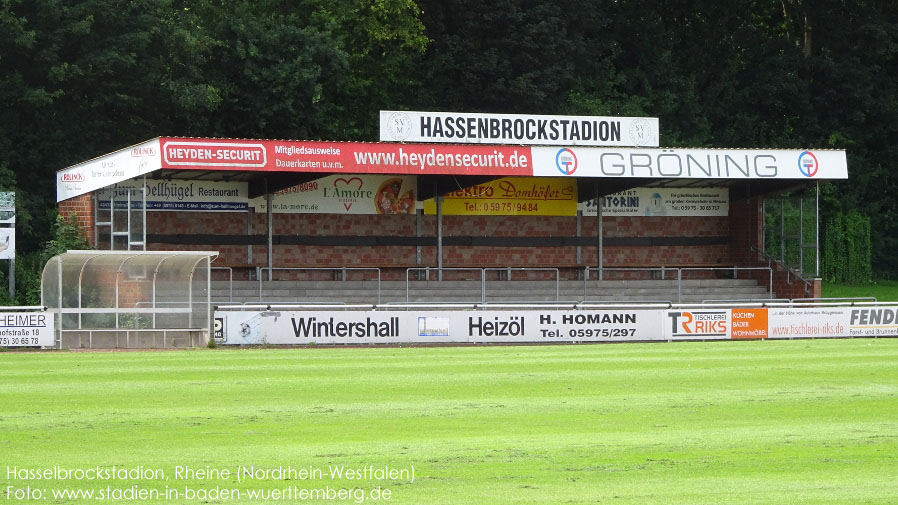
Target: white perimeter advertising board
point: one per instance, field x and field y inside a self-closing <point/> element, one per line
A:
<point x="385" y="327"/>
<point x="623" y="325"/>
<point x="777" y="323"/>
<point x="822" y="322"/>
<point x="26" y="329"/>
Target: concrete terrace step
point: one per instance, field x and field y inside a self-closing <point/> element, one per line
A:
<point x="286" y="290"/>
<point x="694" y="290"/>
<point x="352" y="285"/>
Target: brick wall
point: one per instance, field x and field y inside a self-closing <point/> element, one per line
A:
<point x="746" y="220"/>
<point x="786" y="286"/>
<point x="742" y="230"/>
<point x="747" y="233"/>
<point x="453" y="226"/>
<point x="83" y="209"/>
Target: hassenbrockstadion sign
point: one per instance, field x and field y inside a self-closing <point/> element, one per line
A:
<point x="459" y="127"/>
<point x="311" y="157"/>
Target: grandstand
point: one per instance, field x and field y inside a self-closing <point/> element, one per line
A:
<point x="382" y="224"/>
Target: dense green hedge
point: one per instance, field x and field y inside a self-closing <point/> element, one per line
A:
<point x="847" y="249"/>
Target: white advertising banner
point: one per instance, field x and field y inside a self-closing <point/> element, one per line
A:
<point x="464" y="128"/>
<point x="673" y="163"/>
<point x="697" y="324"/>
<point x="346" y="194"/>
<point x="820" y="322"/>
<point x="27" y="329"/>
<point x="107" y="170"/>
<point x="384" y="327"/>
<point x="663" y="202"/>
<point x="620" y="325"/>
<point x="176" y="195"/>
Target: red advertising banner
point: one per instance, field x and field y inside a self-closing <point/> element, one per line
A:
<point x="345" y="157"/>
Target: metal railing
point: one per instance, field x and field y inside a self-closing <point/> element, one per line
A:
<point x="193" y="336"/>
<point x="475" y="306"/>
<point x="600" y="271"/>
<point x="507" y="271"/>
<point x="341" y="270"/>
<point x="295" y="306"/>
<point x="230" y="281"/>
<point x="840" y="300"/>
<point x="761" y="301"/>
<point x="426" y="271"/>
<point x="676" y="275"/>
<point x="664" y="271"/>
<point x="790" y="272"/>
<point x="392" y="306"/>
<point x="735" y="270"/>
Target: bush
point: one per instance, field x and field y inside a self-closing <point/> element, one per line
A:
<point x="847" y="249"/>
<point x="30" y="265"/>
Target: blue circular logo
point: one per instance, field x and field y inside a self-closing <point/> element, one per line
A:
<point x="566" y="161"/>
<point x="807" y="164"/>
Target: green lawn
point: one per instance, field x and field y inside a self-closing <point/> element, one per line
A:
<point x="883" y="291"/>
<point x="787" y="422"/>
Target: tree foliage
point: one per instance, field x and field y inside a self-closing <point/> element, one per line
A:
<point x="847" y="249"/>
<point x="80" y="78"/>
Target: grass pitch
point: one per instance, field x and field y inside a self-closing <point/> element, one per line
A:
<point x="799" y="422"/>
<point x="883" y="290"/>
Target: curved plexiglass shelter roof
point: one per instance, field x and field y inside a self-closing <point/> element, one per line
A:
<point x="129" y="290"/>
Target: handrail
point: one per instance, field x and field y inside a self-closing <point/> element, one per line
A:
<point x="835" y="304"/>
<point x="762" y="301"/>
<point x="230" y="281"/>
<point x="127" y="331"/>
<point x="549" y="305"/>
<point x="509" y="270"/>
<point x="426" y="305"/>
<point x="837" y="299"/>
<point x="332" y="269"/>
<point x="679" y="271"/>
<point x="808" y="285"/>
<point x="482" y="273"/>
<point x="427" y="270"/>
<point x="289" y="306"/>
<point x="735" y="274"/>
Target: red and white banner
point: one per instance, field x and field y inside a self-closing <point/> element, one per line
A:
<point x="345" y="157"/>
<point x="446" y="159"/>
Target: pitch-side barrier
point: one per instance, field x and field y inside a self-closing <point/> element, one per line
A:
<point x="429" y="323"/>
